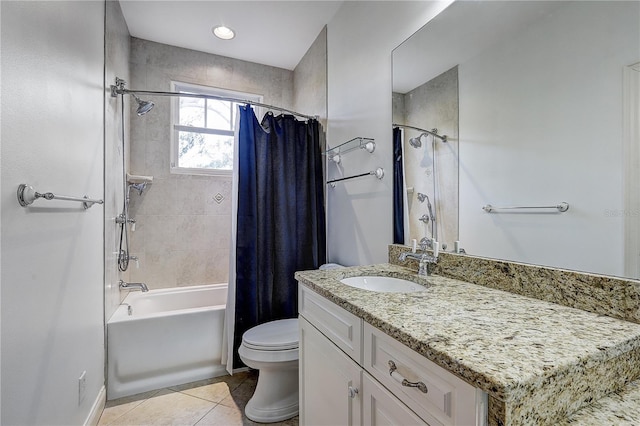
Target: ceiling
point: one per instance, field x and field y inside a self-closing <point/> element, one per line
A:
<point x="275" y="33"/>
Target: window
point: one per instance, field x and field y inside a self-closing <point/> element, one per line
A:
<point x="203" y="134"/>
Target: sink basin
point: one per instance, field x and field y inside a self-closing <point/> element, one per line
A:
<point x="383" y="284"/>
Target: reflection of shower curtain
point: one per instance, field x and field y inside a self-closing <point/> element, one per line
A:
<point x="401" y="231"/>
<point x="280" y="219"/>
<point x="398" y="187"/>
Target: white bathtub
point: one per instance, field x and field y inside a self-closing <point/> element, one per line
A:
<point x="172" y="336"/>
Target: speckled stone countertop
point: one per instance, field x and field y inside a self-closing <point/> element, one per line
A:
<point x="621" y="408"/>
<point x="538" y="361"/>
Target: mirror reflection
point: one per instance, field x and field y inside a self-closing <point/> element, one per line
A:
<point x="541" y="103"/>
<point x="426" y="126"/>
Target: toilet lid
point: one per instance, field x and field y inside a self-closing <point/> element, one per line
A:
<point x="273" y="336"/>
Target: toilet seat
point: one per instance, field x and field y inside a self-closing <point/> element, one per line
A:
<point x="280" y="335"/>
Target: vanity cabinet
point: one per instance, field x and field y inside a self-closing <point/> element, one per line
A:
<point x="345" y="375"/>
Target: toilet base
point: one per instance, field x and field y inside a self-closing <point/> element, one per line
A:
<point x="276" y="396"/>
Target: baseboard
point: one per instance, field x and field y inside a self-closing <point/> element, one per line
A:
<point x="240" y="370"/>
<point x="98" y="407"/>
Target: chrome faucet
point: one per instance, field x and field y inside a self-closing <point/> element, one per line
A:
<point x="424" y="258"/>
<point x="131" y="286"/>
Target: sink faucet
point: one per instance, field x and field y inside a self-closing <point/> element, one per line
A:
<point x="424" y="258"/>
<point x="130" y="286"/>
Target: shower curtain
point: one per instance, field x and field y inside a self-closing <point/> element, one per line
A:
<point x="280" y="225"/>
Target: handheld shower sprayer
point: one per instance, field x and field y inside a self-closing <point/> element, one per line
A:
<point x="431" y="215"/>
<point x="422" y="197"/>
<point x="140" y="187"/>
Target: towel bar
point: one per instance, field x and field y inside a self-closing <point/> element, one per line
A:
<point x="562" y="207"/>
<point x="379" y="173"/>
<point x="27" y="195"/>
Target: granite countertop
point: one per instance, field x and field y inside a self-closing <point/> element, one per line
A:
<point x="541" y="360"/>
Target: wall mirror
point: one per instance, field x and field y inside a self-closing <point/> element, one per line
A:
<point x="541" y="105"/>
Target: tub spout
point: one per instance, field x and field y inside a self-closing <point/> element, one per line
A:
<point x="132" y="286"/>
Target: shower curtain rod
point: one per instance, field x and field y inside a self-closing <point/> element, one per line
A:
<point x="118" y="91"/>
<point x="444" y="138"/>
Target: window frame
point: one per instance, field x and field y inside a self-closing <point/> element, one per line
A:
<point x="177" y="86"/>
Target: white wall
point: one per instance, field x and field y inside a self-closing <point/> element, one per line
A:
<point x="52" y="252"/>
<point x="539" y="138"/>
<point x="360" y="39"/>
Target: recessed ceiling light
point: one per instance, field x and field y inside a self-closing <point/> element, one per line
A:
<point x="224" y="33"/>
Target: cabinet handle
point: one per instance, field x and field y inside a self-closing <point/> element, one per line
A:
<point x="353" y="392"/>
<point x="404" y="382"/>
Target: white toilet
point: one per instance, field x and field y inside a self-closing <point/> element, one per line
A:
<point x="272" y="348"/>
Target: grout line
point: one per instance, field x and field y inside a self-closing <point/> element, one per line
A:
<point x="200" y="398"/>
<point x="140" y="402"/>
<point x="206" y="414"/>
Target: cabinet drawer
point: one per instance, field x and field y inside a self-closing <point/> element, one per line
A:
<point x="341" y="327"/>
<point x="448" y="400"/>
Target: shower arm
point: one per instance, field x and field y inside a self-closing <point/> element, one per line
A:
<point x="118" y="89"/>
<point x="432" y="132"/>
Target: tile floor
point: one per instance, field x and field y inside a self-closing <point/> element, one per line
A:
<point x="218" y="401"/>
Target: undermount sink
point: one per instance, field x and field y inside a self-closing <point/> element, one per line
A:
<point x="383" y="284"/>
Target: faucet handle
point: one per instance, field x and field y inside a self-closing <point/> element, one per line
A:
<point x="425" y="243"/>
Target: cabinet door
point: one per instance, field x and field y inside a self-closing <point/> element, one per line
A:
<point x="380" y="407"/>
<point x="330" y="382"/>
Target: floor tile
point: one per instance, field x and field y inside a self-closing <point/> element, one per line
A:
<point x="167" y="408"/>
<point x="118" y="407"/>
<point x="214" y="390"/>
<point x="222" y="415"/>
<point x="189" y="404"/>
<point x="227" y="416"/>
<point x="242" y="394"/>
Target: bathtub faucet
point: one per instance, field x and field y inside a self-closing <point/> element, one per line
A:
<point x="131" y="286"/>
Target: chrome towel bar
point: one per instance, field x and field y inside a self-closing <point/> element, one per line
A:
<point x="379" y="173"/>
<point x="562" y="207"/>
<point x="27" y="195"/>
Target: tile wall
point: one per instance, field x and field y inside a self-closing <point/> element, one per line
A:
<point x="182" y="234"/>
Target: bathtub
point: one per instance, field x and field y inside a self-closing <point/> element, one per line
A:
<point x="164" y="338"/>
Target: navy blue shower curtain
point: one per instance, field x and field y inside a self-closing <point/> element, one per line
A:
<point x="281" y="222"/>
<point x="398" y="188"/>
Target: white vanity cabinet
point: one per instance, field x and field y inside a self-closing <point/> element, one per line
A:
<point x="345" y="375"/>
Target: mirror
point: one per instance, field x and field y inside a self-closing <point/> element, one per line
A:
<point x="548" y="99"/>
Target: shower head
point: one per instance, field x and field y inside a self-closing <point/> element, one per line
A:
<point x="143" y="106"/>
<point x="417" y="141"/>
